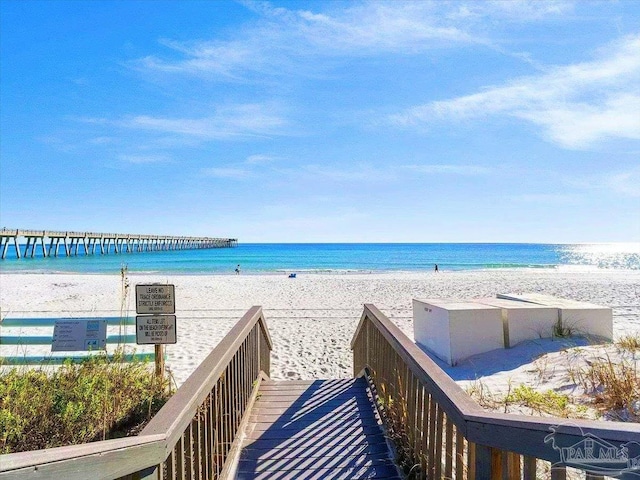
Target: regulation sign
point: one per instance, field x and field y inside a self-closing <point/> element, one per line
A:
<point x="155" y="299"/>
<point x="77" y="334"/>
<point x="155" y="329"/>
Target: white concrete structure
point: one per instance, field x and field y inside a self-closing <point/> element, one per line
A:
<point x="523" y="320"/>
<point x="577" y="318"/>
<point x="456" y="329"/>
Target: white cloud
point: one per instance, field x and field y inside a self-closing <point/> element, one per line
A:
<point x="101" y="140"/>
<point x="361" y="172"/>
<point x="281" y="41"/>
<point x="399" y="27"/>
<point x="575" y="105"/>
<point x="449" y="169"/>
<point x="368" y="173"/>
<point x="621" y="182"/>
<point x="513" y="10"/>
<point x="140" y="159"/>
<point x="548" y="198"/>
<point x="229" y="122"/>
<point x="325" y="219"/>
<point x="226" y="172"/>
<point x="624" y="183"/>
<point x="259" y="159"/>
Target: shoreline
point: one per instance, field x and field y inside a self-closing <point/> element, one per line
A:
<point x="329" y="272"/>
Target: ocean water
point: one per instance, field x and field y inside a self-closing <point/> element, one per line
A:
<point x="340" y="258"/>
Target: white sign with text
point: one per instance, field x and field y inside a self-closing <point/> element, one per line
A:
<point x="77" y="334"/>
<point x="155" y="299"/>
<point x="155" y="329"/>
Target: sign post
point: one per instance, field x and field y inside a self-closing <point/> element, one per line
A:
<point x="156" y="322"/>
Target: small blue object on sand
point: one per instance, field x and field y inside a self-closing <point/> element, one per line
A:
<point x="292" y="275"/>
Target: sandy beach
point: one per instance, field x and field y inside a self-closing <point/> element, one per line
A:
<point x="312" y="318"/>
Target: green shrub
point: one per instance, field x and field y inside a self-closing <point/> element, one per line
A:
<point x="549" y="402"/>
<point x="77" y="403"/>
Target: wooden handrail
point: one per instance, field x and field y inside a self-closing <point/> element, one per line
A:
<point x="87" y="460"/>
<point x="446" y="431"/>
<point x="446" y="392"/>
<point x="190" y="437"/>
<point x="178" y="412"/>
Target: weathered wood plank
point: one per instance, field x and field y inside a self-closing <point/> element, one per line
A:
<point x="277" y="443"/>
<point x="313" y="433"/>
<point x="289" y="407"/>
<point x="283" y="465"/>
<point x="323" y="430"/>
<point x="299" y="384"/>
<point x="380" y="471"/>
<point x="314" y="426"/>
<point x="311" y="400"/>
<point x="271" y="417"/>
<point x="375" y="447"/>
<point x="118" y="457"/>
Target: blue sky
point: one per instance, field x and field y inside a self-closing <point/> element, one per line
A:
<point x="496" y="121"/>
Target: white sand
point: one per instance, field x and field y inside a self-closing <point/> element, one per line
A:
<point x="312" y="318"/>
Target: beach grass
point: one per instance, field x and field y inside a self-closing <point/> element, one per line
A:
<point x="98" y="399"/>
<point x="630" y="343"/>
<point x="614" y="386"/>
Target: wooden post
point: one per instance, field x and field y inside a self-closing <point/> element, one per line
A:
<point x="159" y="361"/>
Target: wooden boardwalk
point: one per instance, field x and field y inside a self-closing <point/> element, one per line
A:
<point x="321" y="429"/>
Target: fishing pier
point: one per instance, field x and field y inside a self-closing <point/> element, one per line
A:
<point x="86" y="243"/>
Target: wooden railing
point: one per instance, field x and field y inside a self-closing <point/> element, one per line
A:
<point x="195" y="434"/>
<point x="441" y="432"/>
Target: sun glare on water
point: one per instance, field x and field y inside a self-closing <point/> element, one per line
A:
<point x="603" y="255"/>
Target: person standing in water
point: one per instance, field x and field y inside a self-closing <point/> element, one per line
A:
<point x="238" y="270"/>
<point x="436" y="268"/>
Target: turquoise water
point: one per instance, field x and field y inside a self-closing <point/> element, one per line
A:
<point x="339" y="258"/>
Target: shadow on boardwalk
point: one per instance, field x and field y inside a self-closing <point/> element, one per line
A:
<point x="322" y="429"/>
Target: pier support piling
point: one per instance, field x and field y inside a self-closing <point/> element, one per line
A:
<point x="122" y="243"/>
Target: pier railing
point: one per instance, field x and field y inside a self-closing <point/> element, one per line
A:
<point x="87" y="242"/>
<point x="441" y="432"/>
<point x="193" y="436"/>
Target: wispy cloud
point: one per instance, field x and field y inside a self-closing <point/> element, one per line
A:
<point x="575" y="105"/>
<point x="140" y="159"/>
<point x="512" y="10"/>
<point x="251" y="167"/>
<point x="620" y="182"/>
<point x="281" y="41"/>
<point x="360" y="172"/>
<point x="253" y="120"/>
<point x="365" y="173"/>
<point x="260" y="159"/>
<point x="226" y="172"/>
<point x="399" y="27"/>
<point x="548" y="198"/>
<point x="101" y="140"/>
<point x="369" y="173"/>
<point x="327" y="219"/>
<point x="449" y="169"/>
<point x="624" y="183"/>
